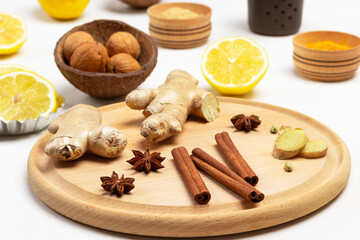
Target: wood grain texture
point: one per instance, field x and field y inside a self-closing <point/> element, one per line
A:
<point x="326" y="65"/>
<point x="324" y="77"/>
<point x="326" y="71"/>
<point x="181" y="44"/>
<point x="180" y="33"/>
<point x="108" y="85"/>
<point x="160" y="204"/>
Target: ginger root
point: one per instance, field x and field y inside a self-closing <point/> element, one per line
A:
<point x="314" y="149"/>
<point x="79" y="130"/>
<point x="289" y="144"/>
<point x="167" y="108"/>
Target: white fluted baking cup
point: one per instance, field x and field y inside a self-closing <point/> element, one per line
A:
<point x="15" y="127"/>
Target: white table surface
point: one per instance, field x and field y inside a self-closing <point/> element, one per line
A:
<point x="24" y="216"/>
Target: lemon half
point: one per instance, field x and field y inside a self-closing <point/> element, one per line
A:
<point x="25" y="95"/>
<point x="234" y="65"/>
<point x="13" y="33"/>
<point x="6" y="68"/>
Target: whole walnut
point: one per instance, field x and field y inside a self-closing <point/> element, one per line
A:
<point x="122" y="63"/>
<point x="91" y="57"/>
<point x="75" y="40"/>
<point x="123" y="42"/>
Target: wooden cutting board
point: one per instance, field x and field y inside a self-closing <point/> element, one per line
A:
<point x="160" y="204"/>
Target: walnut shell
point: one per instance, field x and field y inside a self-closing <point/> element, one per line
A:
<point x="91" y="57"/>
<point x="123" y="42"/>
<point x="75" y="40"/>
<point x="122" y="63"/>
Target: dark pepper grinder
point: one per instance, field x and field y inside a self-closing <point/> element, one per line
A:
<point x="275" y="17"/>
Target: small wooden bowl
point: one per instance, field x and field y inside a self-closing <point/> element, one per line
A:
<point x="140" y="3"/>
<point x="108" y="85"/>
<point x="180" y="33"/>
<point x="326" y="65"/>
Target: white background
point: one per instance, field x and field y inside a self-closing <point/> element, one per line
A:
<point x="24" y="216"/>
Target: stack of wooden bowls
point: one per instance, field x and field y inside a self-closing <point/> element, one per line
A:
<point x="180" y="33"/>
<point x="326" y="65"/>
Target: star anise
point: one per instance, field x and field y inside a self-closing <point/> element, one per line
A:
<point x="146" y="161"/>
<point x="117" y="185"/>
<point x="246" y="123"/>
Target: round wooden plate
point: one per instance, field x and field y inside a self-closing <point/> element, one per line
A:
<point x="160" y="204"/>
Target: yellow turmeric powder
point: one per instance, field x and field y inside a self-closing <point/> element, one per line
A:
<point x="328" y="45"/>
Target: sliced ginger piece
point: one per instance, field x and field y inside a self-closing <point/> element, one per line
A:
<point x="289" y="144"/>
<point x="314" y="149"/>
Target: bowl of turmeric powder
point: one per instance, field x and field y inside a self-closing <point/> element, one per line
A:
<point x="179" y="25"/>
<point x="326" y="55"/>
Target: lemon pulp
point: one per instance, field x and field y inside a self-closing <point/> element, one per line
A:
<point x="234" y="65"/>
<point x="25" y="95"/>
<point x="12" y="33"/>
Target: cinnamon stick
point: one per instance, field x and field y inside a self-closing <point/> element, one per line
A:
<point x="234" y="158"/>
<point x="191" y="175"/>
<point x="198" y="152"/>
<point x="231" y="158"/>
<point x="225" y="176"/>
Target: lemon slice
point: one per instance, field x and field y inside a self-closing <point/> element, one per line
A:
<point x="234" y="65"/>
<point x="12" y="33"/>
<point x="25" y="95"/>
<point x="6" y="68"/>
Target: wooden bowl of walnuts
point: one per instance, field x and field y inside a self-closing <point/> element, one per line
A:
<point x="106" y="58"/>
